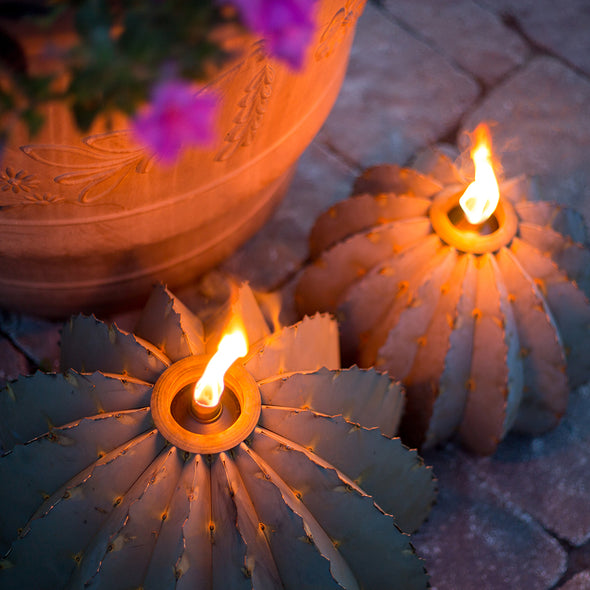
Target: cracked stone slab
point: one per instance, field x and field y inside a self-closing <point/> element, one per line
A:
<point x="398" y="95"/>
<point x="471" y="36"/>
<point x="473" y="541"/>
<point x="548" y="477"/>
<point x="541" y="127"/>
<point x="559" y="27"/>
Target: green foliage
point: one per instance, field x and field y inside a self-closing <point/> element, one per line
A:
<point x="122" y="48"/>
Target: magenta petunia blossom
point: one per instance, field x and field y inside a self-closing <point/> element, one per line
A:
<point x="176" y="117"/>
<point x="287" y="25"/>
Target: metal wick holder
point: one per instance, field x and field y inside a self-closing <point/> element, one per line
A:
<point x="453" y="229"/>
<point x="201" y="429"/>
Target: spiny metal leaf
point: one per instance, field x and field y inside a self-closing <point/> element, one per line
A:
<point x="99" y="498"/>
<point x="307" y="345"/>
<point x="37" y="403"/>
<point x="89" y="345"/>
<point x="66" y="520"/>
<point x="542" y="354"/>
<point x="348" y="518"/>
<point x="339" y="393"/>
<point x="350" y="259"/>
<point x="193" y="568"/>
<point x="37" y="469"/>
<point x="349" y="450"/>
<point x="118" y="550"/>
<point x="481" y="342"/>
<point x="359" y="213"/>
<point x="568" y="304"/>
<point x="283" y="528"/>
<point x="180" y="335"/>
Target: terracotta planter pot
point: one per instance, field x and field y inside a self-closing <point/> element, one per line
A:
<point x="91" y="222"/>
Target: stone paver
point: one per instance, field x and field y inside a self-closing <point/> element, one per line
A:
<point x="470" y="36"/>
<point x="579" y="562"/>
<point x="473" y="541"/>
<point x="399" y="95"/>
<point x="558" y="27"/>
<point x="552" y="471"/>
<point x="519" y="519"/>
<point x="580" y="581"/>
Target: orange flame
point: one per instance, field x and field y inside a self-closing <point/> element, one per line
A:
<point x="481" y="197"/>
<point x="209" y="387"/>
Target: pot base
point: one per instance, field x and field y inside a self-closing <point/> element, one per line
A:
<point x="90" y="289"/>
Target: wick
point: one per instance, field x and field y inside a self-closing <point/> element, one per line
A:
<point x="205" y="413"/>
<point x="459" y="220"/>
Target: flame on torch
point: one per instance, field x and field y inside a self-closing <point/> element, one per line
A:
<point x="481" y="197"/>
<point x="209" y="387"/>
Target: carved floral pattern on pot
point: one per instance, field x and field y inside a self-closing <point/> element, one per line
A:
<point x="98" y="167"/>
<point x="42" y="199"/>
<point x="17" y="181"/>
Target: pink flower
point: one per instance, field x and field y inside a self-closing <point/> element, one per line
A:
<point x="287" y="25"/>
<point x="176" y="117"/>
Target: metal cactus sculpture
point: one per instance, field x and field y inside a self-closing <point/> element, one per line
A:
<point x="103" y="485"/>
<point x="483" y="325"/>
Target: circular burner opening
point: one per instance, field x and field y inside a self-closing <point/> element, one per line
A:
<point x="173" y="415"/>
<point x="450" y="224"/>
<point x="218" y="419"/>
<point x="458" y="219"/>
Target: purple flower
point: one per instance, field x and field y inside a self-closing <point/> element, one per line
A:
<point x="176" y="117"/>
<point x="287" y="25"/>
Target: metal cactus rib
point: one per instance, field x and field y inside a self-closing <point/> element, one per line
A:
<point x="94" y="496"/>
<point x="483" y="343"/>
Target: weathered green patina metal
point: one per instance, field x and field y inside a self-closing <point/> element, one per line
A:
<point x="94" y="495"/>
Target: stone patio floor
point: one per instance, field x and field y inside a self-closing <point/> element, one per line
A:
<point x="422" y="72"/>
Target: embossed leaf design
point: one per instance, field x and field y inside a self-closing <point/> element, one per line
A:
<point x="113" y="504"/>
<point x="337" y="28"/>
<point x="98" y="168"/>
<point x="252" y="108"/>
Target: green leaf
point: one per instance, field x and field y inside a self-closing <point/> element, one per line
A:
<point x="93" y="18"/>
<point x="34" y="121"/>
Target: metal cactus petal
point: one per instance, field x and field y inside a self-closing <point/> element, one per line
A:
<point x="96" y="497"/>
<point x="483" y="342"/>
